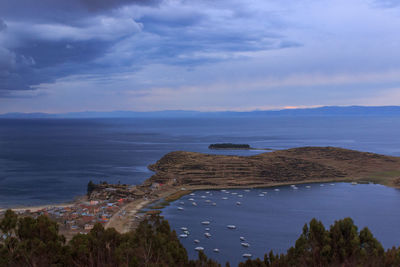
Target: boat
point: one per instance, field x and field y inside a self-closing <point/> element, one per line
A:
<point x="186" y="232"/>
<point x="206" y="234"/>
<point x="308" y="186"/>
<point x="292" y="185"/>
<point x="276" y="190"/>
<point x="246" y="190"/>
<point x="180" y="208"/>
<point x="295" y="188"/>
<point x="208" y="192"/>
<point x="234" y="193"/>
<point x="321" y="185"/>
<point x="207" y="229"/>
<point x="332" y="184"/>
<point x="231" y="226"/>
<point x="264" y="192"/>
<point x="240" y="195"/>
<point x="196" y="241"/>
<point x="238" y="203"/>
<point x="203" y="196"/>
<point x="183" y="235"/>
<point x="214" y="204"/>
<point x="182" y="203"/>
<point x="208" y="201"/>
<point x="216" y="250"/>
<point x="244" y="244"/>
<point x="241" y="238"/>
<point x="247" y="255"/>
<point x="205" y="222"/>
<point x="199" y="248"/>
<point x="191" y="199"/>
<point x="223" y="190"/>
<point x="261" y="195"/>
<point x="184" y="228"/>
<point x="224" y="198"/>
<point x="192" y="194"/>
<point x="194" y="203"/>
<point x="353" y="183"/>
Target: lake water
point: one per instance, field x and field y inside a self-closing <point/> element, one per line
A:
<point x="275" y="220"/>
<point x="51" y="160"/>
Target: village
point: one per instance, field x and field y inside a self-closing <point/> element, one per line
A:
<point x="99" y="206"/>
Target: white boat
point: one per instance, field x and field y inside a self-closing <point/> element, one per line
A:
<point x="196" y="241"/>
<point x="295" y="188"/>
<point x="216" y="250"/>
<point x="233" y="193"/>
<point x="182" y="203"/>
<point x="206" y="234"/>
<point x="277" y="190"/>
<point x="264" y="192"/>
<point x="241" y="238"/>
<point x="207" y="229"/>
<point x="308" y="186"/>
<point x="246" y="190"/>
<point x="180" y="208"/>
<point x="261" y="195"/>
<point x="231" y="226"/>
<point x="247" y="255"/>
<point x="203" y="196"/>
<point x="183" y="235"/>
<point x="224" y="198"/>
<point x="353" y="183"/>
<point x="186" y="232"/>
<point x="191" y="199"/>
<point x="192" y="194"/>
<point x="240" y="195"/>
<point x="321" y="185"/>
<point x="208" y="201"/>
<point x="194" y="203"/>
<point x="205" y="222"/>
<point x="223" y="190"/>
<point x="238" y="203"/>
<point x="244" y="244"/>
<point x="208" y="192"/>
<point x="199" y="248"/>
<point x="214" y="204"/>
<point x="184" y="228"/>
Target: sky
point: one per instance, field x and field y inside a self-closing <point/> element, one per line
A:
<point x="206" y="55"/>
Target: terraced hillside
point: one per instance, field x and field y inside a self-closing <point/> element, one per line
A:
<point x="282" y="166"/>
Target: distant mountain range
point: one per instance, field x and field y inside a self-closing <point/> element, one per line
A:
<point x="321" y="111"/>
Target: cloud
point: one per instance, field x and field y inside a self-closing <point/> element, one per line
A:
<point x="387" y="3"/>
<point x="3" y="25"/>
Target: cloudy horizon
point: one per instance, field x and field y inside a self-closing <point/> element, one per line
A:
<point x="147" y="55"/>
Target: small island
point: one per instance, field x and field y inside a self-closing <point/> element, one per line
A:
<point x="229" y="146"/>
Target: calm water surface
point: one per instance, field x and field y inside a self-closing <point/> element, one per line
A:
<point x="275" y="221"/>
<point x="51" y="160"/>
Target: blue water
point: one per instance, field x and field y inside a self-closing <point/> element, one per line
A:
<point x="275" y="221"/>
<point x="51" y="160"/>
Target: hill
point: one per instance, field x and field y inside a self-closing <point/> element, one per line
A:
<point x="297" y="165"/>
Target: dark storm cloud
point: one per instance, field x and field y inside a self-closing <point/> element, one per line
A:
<point x="45" y="40"/>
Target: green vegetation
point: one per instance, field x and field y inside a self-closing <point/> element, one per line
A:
<point x="90" y="187"/>
<point x="27" y="241"/>
<point x="36" y="242"/>
<point x="341" y="245"/>
<point x="229" y="146"/>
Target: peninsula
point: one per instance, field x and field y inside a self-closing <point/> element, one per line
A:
<point x="178" y="173"/>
